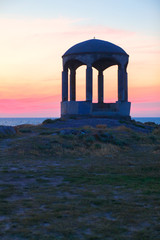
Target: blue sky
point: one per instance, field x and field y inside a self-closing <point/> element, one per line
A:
<point x="135" y="15"/>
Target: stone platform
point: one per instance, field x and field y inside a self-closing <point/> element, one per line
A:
<point x="85" y="108"/>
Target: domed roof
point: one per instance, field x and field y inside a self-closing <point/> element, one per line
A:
<point x="94" y="46"/>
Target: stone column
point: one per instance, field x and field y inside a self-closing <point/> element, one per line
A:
<point x="126" y="86"/>
<point x="65" y="85"/>
<point x="100" y="87"/>
<point x="89" y="83"/>
<point x="72" y="85"/>
<point x="122" y="84"/>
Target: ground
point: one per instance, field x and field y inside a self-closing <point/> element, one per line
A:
<point x="64" y="181"/>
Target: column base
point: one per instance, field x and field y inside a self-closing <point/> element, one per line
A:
<point x="78" y="108"/>
<point x="118" y="110"/>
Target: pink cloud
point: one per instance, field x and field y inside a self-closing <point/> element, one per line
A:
<point x="98" y="30"/>
<point x="146" y="109"/>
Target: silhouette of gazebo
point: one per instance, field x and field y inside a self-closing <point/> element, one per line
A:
<point x="101" y="55"/>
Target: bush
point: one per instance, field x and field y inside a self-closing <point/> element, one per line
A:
<point x="119" y="142"/>
<point x="25" y="130"/>
<point x="157" y="148"/>
<point x="90" y="139"/>
<point x="156" y="131"/>
<point x="43" y="147"/>
<point x="81" y="136"/>
<point x="97" y="146"/>
<point x="104" y="137"/>
<point x="46" y="133"/>
<point x="153" y="138"/>
<point x="136" y="137"/>
<point x="123" y="121"/>
<point x="73" y="117"/>
<point x="50" y="121"/>
<point x="150" y="123"/>
<point x="138" y="124"/>
<point x="69" y="136"/>
<point x="68" y="146"/>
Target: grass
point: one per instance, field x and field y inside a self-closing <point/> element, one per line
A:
<point x="79" y="186"/>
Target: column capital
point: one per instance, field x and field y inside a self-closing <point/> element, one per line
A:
<point x="65" y="69"/>
<point x="89" y="65"/>
<point x="122" y="67"/>
<point x="72" y="70"/>
<point x="100" y="72"/>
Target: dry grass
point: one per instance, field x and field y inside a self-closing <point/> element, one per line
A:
<point x="123" y="128"/>
<point x="101" y="126"/>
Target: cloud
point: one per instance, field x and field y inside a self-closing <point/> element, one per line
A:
<point x="52" y="28"/>
<point x="145" y="109"/>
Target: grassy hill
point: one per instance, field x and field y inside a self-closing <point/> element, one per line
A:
<point x="85" y="182"/>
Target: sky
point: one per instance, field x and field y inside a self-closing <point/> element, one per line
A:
<point x="34" y="34"/>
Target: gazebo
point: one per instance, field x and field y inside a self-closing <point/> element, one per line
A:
<point x="101" y="55"/>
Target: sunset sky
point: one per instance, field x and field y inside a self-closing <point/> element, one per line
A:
<point x="34" y="34"/>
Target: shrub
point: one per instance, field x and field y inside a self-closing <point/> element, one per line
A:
<point x="97" y="146"/>
<point x="68" y="146"/>
<point x="138" y="124"/>
<point x="73" y="117"/>
<point x="25" y="130"/>
<point x="150" y="123"/>
<point x="119" y="142"/>
<point x="90" y="139"/>
<point x="50" y="121"/>
<point x="136" y="137"/>
<point x="123" y="121"/>
<point x="43" y="147"/>
<point x="104" y="137"/>
<point x="81" y="136"/>
<point x="67" y="136"/>
<point x="46" y="133"/>
<point x="156" y="131"/>
<point x="157" y="148"/>
<point x="153" y="138"/>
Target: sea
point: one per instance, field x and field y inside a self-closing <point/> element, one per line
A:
<point x="35" y="121"/>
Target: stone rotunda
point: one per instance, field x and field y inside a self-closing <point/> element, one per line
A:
<point x="101" y="55"/>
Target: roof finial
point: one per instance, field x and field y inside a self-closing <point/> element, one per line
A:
<point x="94" y="38"/>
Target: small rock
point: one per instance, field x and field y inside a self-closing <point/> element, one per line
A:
<point x="7" y="131"/>
<point x="68" y="132"/>
<point x="83" y="131"/>
<point x="54" y="134"/>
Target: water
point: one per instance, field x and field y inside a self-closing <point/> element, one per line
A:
<point x="147" y="119"/>
<point x="19" y="121"/>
